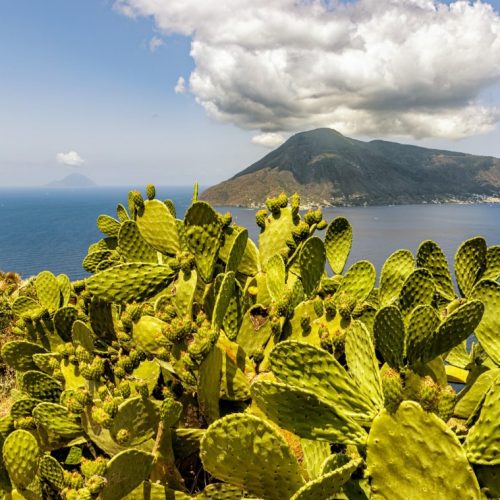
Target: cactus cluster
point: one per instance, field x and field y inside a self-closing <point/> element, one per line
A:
<point x="193" y="363"/>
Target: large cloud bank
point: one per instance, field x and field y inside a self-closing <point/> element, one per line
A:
<point x="375" y="67"/>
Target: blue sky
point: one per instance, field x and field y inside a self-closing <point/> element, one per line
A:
<point x="83" y="77"/>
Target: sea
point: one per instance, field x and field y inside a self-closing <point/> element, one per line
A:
<point x="52" y="228"/>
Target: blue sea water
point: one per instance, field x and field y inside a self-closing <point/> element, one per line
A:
<point x="52" y="228"/>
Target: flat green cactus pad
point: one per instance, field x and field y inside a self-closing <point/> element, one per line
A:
<point x="358" y="281"/>
<point x="57" y="421"/>
<point x="422" y="322"/>
<point x="125" y="471"/>
<point x="203" y="237"/>
<point x="389" y="331"/>
<point x="275" y="276"/>
<point x="403" y="463"/>
<point x="488" y="330"/>
<point x="93" y="259"/>
<point x="431" y="257"/>
<point x="158" y="227"/>
<point x="418" y="289"/>
<point x="25" y="306"/>
<point x="133" y="247"/>
<point x="312" y="264"/>
<point x="313" y="369"/>
<point x="302" y="412"/>
<point x="82" y="335"/>
<point x="470" y="263"/>
<point x="483" y="440"/>
<point x="18" y="354"/>
<point x="21" y="455"/>
<point x="362" y="362"/>
<point x="226" y="291"/>
<point x="255" y="330"/>
<point x="328" y="484"/>
<point x="492" y="271"/>
<point x="108" y="225"/>
<point x="221" y="491"/>
<point x="185" y="288"/>
<point x="475" y="394"/>
<point x="456" y="327"/>
<point x="147" y="332"/>
<point x="47" y="290"/>
<point x="51" y="471"/>
<point x="315" y="453"/>
<point x="132" y="281"/>
<point x="139" y="417"/>
<point x="273" y="238"/>
<point x="394" y="272"/>
<point x="41" y="386"/>
<point x="338" y="242"/>
<point x="249" y="453"/>
<point x="122" y="213"/>
<point x="63" y="321"/>
<point x="64" y="287"/>
<point x="250" y="262"/>
<point x="237" y="251"/>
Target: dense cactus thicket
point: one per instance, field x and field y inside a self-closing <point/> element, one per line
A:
<point x="193" y="363"/>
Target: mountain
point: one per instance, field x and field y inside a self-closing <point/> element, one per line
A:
<point x="72" y="181"/>
<point x="327" y="168"/>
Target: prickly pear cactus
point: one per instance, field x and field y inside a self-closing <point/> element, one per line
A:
<point x="194" y="363"/>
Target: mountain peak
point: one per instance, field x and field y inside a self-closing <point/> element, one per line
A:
<point x="328" y="168"/>
<point x="73" y="180"/>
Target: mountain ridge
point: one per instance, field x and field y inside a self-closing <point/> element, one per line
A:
<point x="328" y="168"/>
<point x="73" y="180"/>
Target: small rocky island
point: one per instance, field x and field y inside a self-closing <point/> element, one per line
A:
<point x="328" y="168"/>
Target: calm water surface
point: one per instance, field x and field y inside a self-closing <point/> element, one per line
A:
<point x="52" y="229"/>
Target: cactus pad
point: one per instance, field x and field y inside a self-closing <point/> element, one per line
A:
<point x="203" y="236"/>
<point x="125" y="471"/>
<point x="431" y="257"/>
<point x="483" y="440"/>
<point x="47" y="290"/>
<point x="312" y="263"/>
<point x="402" y="457"/>
<point x="127" y="282"/>
<point x="470" y="263"/>
<point x="57" y="421"/>
<point x="394" y="272"/>
<point x="389" y="331"/>
<point x="338" y="242"/>
<point x="158" y="227"/>
<point x="21" y="455"/>
<point x="41" y="386"/>
<point x="362" y="362"/>
<point x="358" y="281"/>
<point x="316" y="419"/>
<point x="249" y="453"/>
<point x="237" y="251"/>
<point x="488" y="330"/>
<point x="139" y="417"/>
<point x="133" y="247"/>
<point x="18" y="354"/>
<point x="275" y="276"/>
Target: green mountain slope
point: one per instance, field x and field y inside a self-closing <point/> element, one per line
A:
<point x="327" y="168"/>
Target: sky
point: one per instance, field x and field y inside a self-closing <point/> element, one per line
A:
<point x="177" y="91"/>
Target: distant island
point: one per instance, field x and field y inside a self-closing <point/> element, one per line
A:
<point x="72" y="181"/>
<point x="327" y="168"/>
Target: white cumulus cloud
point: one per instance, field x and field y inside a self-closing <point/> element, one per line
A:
<point x="180" y="86"/>
<point x="380" y="67"/>
<point x="155" y="43"/>
<point x="268" y="140"/>
<point x="71" y="158"/>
